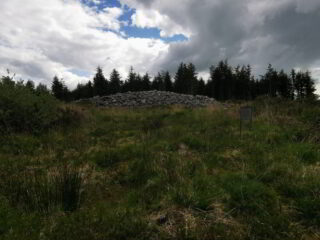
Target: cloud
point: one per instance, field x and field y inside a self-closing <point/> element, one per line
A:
<point x="67" y="38"/>
<point x="153" y="19"/>
<point x="257" y="32"/>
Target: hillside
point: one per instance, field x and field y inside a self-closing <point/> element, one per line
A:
<point x="165" y="173"/>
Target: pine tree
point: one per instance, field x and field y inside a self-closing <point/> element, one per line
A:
<point x="115" y="82"/>
<point x="30" y="85"/>
<point x="211" y="84"/>
<point x="293" y="80"/>
<point x="158" y="83"/>
<point x="308" y="85"/>
<point x="271" y="80"/>
<point x="241" y="81"/>
<point x="146" y="82"/>
<point x="201" y="90"/>
<point x="221" y="83"/>
<point x="130" y="83"/>
<point x="299" y="86"/>
<point x="285" y="86"/>
<point x="58" y="88"/>
<point x="100" y="83"/>
<point x="179" y="84"/>
<point x="191" y="79"/>
<point x="89" y="90"/>
<point x="41" y="89"/>
<point x="138" y="83"/>
<point x="168" y="86"/>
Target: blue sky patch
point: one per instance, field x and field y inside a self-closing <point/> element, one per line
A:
<point x="133" y="31"/>
<point x="80" y="73"/>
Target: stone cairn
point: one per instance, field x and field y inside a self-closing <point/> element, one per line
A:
<point x="149" y="99"/>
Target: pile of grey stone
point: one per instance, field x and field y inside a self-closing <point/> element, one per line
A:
<point x="149" y="99"/>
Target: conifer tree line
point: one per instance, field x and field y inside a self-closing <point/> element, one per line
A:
<point x="225" y="83"/>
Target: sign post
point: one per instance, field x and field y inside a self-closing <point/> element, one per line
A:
<point x="245" y="116"/>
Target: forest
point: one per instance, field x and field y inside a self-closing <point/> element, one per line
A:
<point x="225" y="83"/>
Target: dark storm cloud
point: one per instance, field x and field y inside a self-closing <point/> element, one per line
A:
<point x="297" y="30"/>
<point x="257" y="32"/>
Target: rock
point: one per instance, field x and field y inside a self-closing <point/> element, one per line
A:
<point x="150" y="98"/>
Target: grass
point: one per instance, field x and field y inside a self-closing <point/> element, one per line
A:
<point x="44" y="191"/>
<point x="165" y="173"/>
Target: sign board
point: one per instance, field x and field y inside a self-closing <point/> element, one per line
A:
<point x="245" y="116"/>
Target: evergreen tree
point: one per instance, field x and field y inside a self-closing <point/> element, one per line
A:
<point x="242" y="86"/>
<point x="201" y="90"/>
<point x="299" y="86"/>
<point x="146" y="84"/>
<point x="221" y="83"/>
<point x="115" y="82"/>
<point x="210" y="86"/>
<point x="58" y="88"/>
<point x="158" y="83"/>
<point x="293" y="80"/>
<point x="41" y="89"/>
<point x="130" y="83"/>
<point x="309" y="87"/>
<point x="304" y="86"/>
<point x="271" y="81"/>
<point x="30" y="85"/>
<point x="191" y="79"/>
<point x="89" y="90"/>
<point x="179" y="79"/>
<point x="79" y="92"/>
<point x="168" y="86"/>
<point x="138" y="83"/>
<point x="100" y="83"/>
<point x="285" y="86"/>
<point x="8" y="80"/>
<point x="253" y="88"/>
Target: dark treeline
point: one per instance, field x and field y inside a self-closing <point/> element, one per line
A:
<point x="225" y="83"/>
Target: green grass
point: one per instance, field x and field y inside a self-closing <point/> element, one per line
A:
<point x="118" y="172"/>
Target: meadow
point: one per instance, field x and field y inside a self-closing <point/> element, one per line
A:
<point x="165" y="173"/>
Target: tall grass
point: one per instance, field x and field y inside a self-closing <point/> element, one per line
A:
<point x="44" y="191"/>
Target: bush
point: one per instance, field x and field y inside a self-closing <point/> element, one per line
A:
<point x="22" y="109"/>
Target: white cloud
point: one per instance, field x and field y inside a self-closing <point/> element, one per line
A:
<point x="108" y="18"/>
<point x="144" y="18"/>
<point x="64" y="37"/>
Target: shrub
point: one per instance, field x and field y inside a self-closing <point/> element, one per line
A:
<point x="22" y="109"/>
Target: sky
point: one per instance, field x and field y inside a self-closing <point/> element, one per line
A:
<point x="71" y="38"/>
